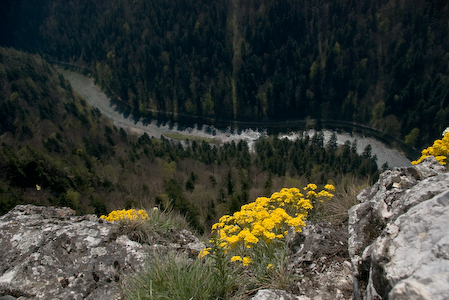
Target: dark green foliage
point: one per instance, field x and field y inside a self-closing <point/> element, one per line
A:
<point x="230" y="183"/>
<point x="48" y="155"/>
<point x="190" y="184"/>
<point x="88" y="164"/>
<point x="9" y="198"/>
<point x="308" y="157"/>
<point x="99" y="205"/>
<point x="249" y="60"/>
<point x="181" y="204"/>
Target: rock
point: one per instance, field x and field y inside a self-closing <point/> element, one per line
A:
<point x="49" y="253"/>
<point x="276" y="295"/>
<point x="429" y="167"/>
<point x="318" y="240"/>
<point x="398" y="239"/>
<point x="320" y="257"/>
<point x="418" y="240"/>
<point x="189" y="242"/>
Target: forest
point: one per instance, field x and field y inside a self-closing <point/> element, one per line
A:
<point x="57" y="150"/>
<point x="379" y="63"/>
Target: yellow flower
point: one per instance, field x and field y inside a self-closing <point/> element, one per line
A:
<point x="311" y="194"/>
<point x="269" y="235"/>
<point x="439" y="149"/>
<point x="246" y="261"/>
<point x="262" y="215"/>
<point x="232" y="240"/>
<point x="236" y="258"/>
<point x="304" y="204"/>
<point x="131" y="214"/>
<point x="204" y="252"/>
<point x="325" y="194"/>
<point x="270" y="266"/>
<point x="217" y="226"/>
<point x="143" y="214"/>
<point x="441" y="159"/>
<point x="311" y="186"/>
<point x="329" y="187"/>
<point x="250" y="239"/>
<point x="268" y="224"/>
<point x="258" y="230"/>
<point x="296" y="222"/>
<point x="266" y="219"/>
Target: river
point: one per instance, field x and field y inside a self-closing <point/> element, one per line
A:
<point x="95" y="97"/>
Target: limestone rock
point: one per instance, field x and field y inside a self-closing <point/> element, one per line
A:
<point x="320" y="258"/>
<point x="276" y="295"/>
<point x="49" y="253"/>
<point x="421" y="236"/>
<point x="398" y="239"/>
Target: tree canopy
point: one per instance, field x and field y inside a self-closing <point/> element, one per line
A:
<point x="380" y="63"/>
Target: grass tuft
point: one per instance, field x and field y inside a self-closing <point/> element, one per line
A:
<point x="336" y="211"/>
<point x="176" y="277"/>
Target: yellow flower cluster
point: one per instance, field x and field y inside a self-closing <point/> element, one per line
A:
<point x="268" y="219"/>
<point x="204" y="252"/>
<point x="130" y="214"/>
<point x="245" y="260"/>
<point x="329" y="187"/>
<point x="439" y="149"/>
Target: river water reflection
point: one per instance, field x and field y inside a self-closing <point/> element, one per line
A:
<point x="95" y="97"/>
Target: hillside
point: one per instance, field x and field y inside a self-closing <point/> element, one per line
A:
<point x="380" y="63"/>
<point x="53" y="144"/>
<point x="56" y="149"/>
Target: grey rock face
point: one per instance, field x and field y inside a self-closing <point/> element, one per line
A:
<point x="277" y="295"/>
<point x="48" y="253"/>
<point x="321" y="259"/>
<point x="421" y="235"/>
<point x="398" y="239"/>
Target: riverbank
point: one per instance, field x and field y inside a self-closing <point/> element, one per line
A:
<point x="222" y="133"/>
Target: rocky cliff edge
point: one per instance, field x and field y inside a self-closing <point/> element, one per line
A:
<point x="49" y="253"/>
<point x="397" y="242"/>
<point x="399" y="235"/>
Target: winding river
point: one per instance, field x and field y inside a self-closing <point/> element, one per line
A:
<point x="95" y="97"/>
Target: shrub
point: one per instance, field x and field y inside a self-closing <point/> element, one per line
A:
<point x="147" y="226"/>
<point x="122" y="215"/>
<point x="247" y="251"/>
<point x="255" y="236"/>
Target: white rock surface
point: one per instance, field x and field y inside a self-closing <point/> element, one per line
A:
<point x="267" y="294"/>
<point x="48" y="253"/>
<point x="398" y="235"/>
